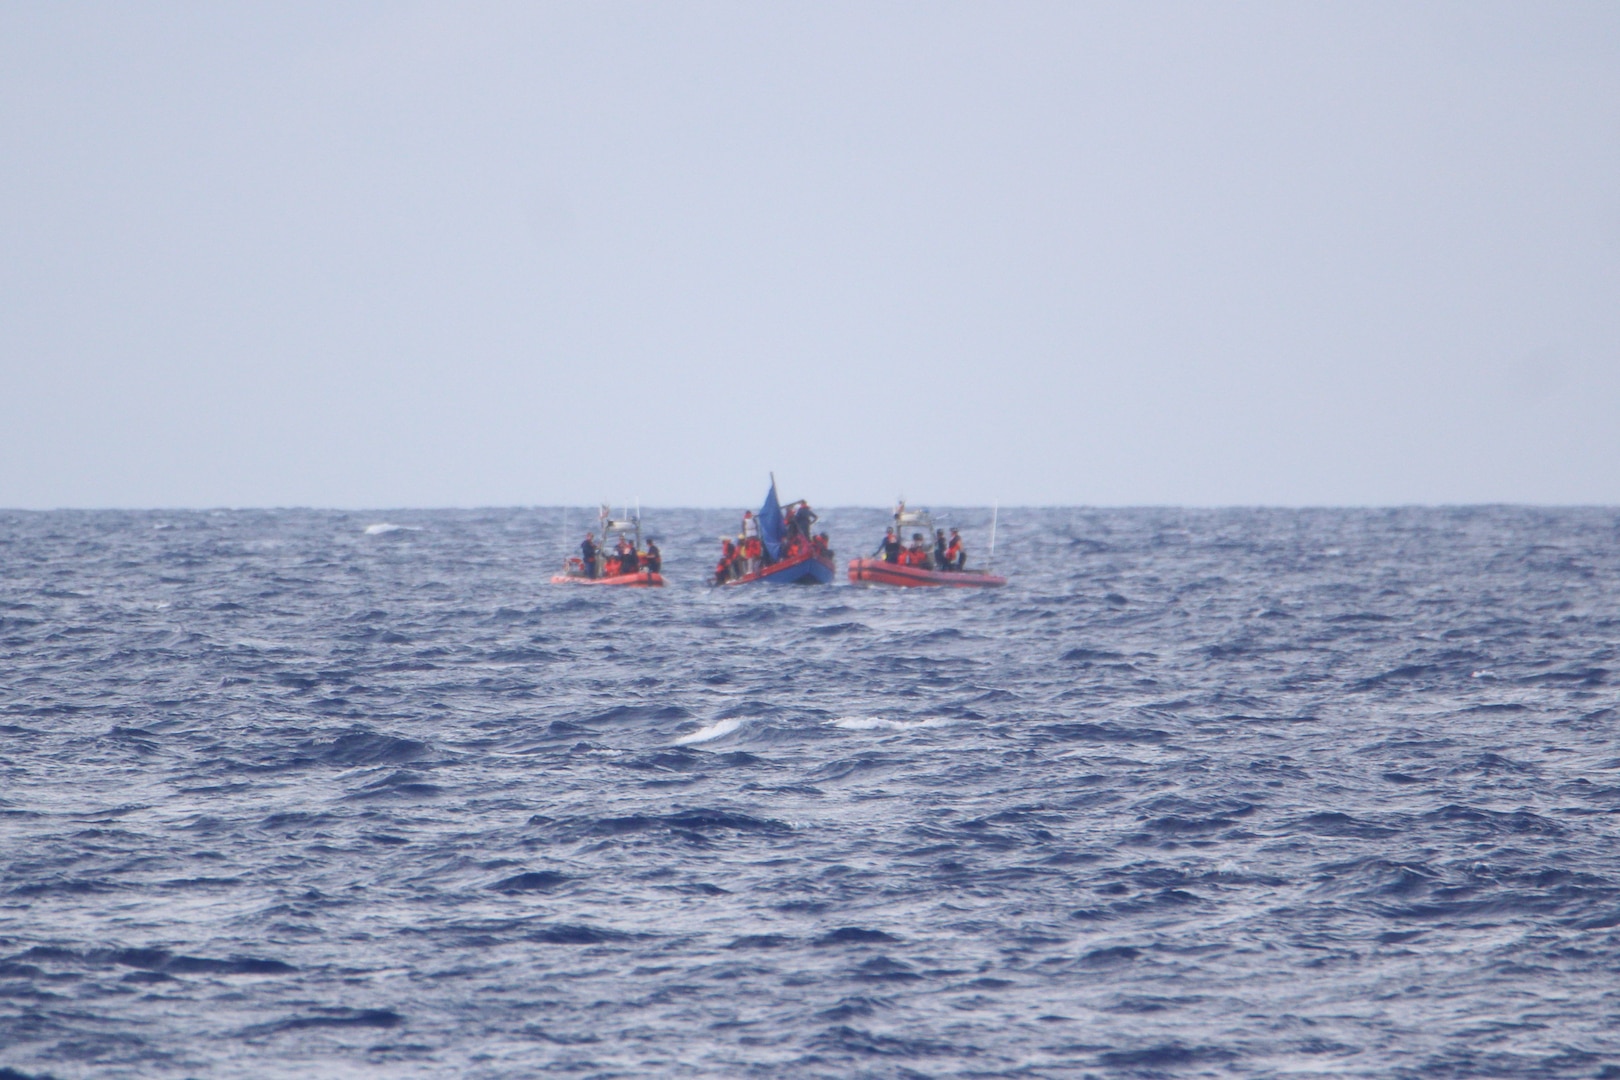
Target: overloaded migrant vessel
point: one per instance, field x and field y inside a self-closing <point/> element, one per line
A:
<point x="626" y="563"/>
<point x="777" y="546"/>
<point x="943" y="562"/>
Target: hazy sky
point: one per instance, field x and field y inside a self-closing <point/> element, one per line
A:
<point x="465" y="254"/>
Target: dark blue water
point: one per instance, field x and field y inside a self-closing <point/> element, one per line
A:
<point x="1232" y="793"/>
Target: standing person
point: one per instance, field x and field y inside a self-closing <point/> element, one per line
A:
<point x="587" y="553"/>
<point x="654" y="560"/>
<point x="890" y="548"/>
<point x="803" y="519"/>
<point x="940" y="562"/>
<point x="956" y="554"/>
<point x="750" y="527"/>
<point x="628" y="561"/>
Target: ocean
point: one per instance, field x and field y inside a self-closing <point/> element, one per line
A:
<point x="1237" y="793"/>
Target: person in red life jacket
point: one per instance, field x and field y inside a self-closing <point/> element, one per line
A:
<point x="754" y="552"/>
<point x="653" y="561"/>
<point x="890" y="548"/>
<point x="628" y="561"/>
<point x="822" y="544"/>
<point x="918" y="555"/>
<point x="587" y="553"/>
<point x="955" y="553"/>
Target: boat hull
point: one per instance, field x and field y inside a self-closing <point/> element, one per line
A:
<point x="641" y="579"/>
<point x="878" y="572"/>
<point x="808" y="569"/>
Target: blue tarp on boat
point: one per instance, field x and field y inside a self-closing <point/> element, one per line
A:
<point x="770" y="524"/>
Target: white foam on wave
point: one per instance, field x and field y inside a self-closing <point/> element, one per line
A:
<point x="880" y="723"/>
<point x="712" y="731"/>
<point x="383" y="528"/>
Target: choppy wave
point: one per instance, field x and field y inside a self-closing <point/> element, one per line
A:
<point x="1237" y="793"/>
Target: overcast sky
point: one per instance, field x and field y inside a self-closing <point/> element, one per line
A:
<point x="1140" y="253"/>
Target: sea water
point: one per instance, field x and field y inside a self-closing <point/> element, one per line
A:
<point x="1223" y="793"/>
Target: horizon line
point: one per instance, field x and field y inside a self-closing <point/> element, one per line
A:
<point x="401" y="508"/>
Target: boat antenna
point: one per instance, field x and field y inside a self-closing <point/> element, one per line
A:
<point x="995" y="511"/>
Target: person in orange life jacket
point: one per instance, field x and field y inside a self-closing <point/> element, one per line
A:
<point x="587" y="551"/>
<point x="918" y="555"/>
<point x="890" y="548"/>
<point x="754" y="551"/>
<point x="939" y="550"/>
<point x="628" y="562"/>
<point x="722" y="569"/>
<point x="654" y="560"/>
<point x="955" y="554"/>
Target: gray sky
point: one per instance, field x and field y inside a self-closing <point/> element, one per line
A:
<point x="463" y="254"/>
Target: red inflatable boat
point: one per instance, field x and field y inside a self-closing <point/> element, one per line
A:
<point x="918" y="566"/>
<point x="606" y="570"/>
<point x="878" y="572"/>
<point x="641" y="579"/>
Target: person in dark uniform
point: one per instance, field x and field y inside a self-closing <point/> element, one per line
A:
<point x="587" y="553"/>
<point x="654" y="560"/>
<point x="629" y="563"/>
<point x="890" y="547"/>
<point x="939" y="551"/>
<point x="803" y="518"/>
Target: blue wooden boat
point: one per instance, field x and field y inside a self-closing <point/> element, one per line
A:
<point x="810" y="568"/>
<point x="804" y="561"/>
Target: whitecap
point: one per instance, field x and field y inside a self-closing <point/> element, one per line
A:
<point x="383" y="528"/>
<point x="712" y="731"/>
<point x="879" y="723"/>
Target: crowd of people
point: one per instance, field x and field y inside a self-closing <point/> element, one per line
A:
<point x="596" y="561"/>
<point x="746" y="553"/>
<point x="946" y="554"/>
